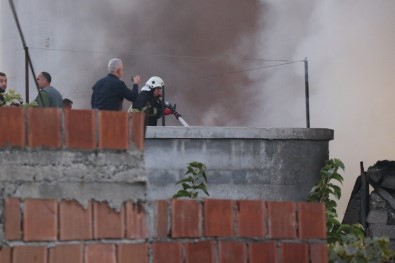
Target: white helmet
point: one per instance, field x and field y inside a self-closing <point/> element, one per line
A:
<point x="155" y="82"/>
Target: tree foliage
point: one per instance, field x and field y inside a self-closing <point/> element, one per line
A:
<point x="356" y="249"/>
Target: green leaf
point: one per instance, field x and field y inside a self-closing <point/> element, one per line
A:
<point x="204" y="176"/>
<point x="186" y="186"/>
<point x="339" y="163"/>
<point x="338" y="178"/>
<point x="182" y="193"/>
<point x="337" y="191"/>
<point x="190" y="170"/>
<point x="185" y="180"/>
<point x="202" y="187"/>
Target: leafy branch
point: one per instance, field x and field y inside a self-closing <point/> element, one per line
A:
<point x="197" y="180"/>
<point x="327" y="192"/>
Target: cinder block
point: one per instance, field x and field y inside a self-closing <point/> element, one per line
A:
<point x="250" y="216"/>
<point x="29" y="254"/>
<point x="186" y="218"/>
<point x="133" y="253"/>
<point x="12" y="127"/>
<point x="294" y="252"/>
<point x="377" y="217"/>
<point x="263" y="252"/>
<point x="75" y="222"/>
<point x="218" y="177"/>
<point x="167" y="252"/>
<point x="203" y="251"/>
<point x="256" y="176"/>
<point x="312" y="221"/>
<point x="40" y="220"/>
<point x="44" y="128"/>
<point x="136" y="221"/>
<point x="113" y="130"/>
<point x="66" y="254"/>
<point x="319" y="253"/>
<point x="162" y="178"/>
<point x="231" y="251"/>
<point x="100" y="253"/>
<point x="239" y="177"/>
<point x="282" y="219"/>
<point x="80" y="129"/>
<point x="12" y="219"/>
<point x="107" y="223"/>
<point x="218" y="219"/>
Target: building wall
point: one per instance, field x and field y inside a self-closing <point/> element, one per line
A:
<point x="242" y="163"/>
<point x="73" y="188"/>
<point x="77" y="155"/>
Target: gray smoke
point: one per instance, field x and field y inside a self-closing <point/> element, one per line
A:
<point x="351" y="50"/>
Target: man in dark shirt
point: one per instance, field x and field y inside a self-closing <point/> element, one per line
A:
<point x="109" y="92"/>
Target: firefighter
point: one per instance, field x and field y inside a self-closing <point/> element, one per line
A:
<point x="149" y="101"/>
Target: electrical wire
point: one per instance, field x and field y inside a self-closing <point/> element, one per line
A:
<point x="235" y="71"/>
<point x="70" y="50"/>
<point x="286" y="62"/>
<point x="165" y="56"/>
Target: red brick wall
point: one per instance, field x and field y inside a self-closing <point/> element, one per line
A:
<point x="49" y="231"/>
<point x="70" y="129"/>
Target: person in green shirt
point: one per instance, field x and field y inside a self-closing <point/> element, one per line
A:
<point x="48" y="96"/>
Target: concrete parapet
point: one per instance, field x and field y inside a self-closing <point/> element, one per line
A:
<point x="242" y="163"/>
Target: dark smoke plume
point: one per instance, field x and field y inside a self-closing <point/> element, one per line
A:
<point x="193" y="45"/>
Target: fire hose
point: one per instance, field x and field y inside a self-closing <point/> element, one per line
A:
<point x="176" y="114"/>
<point x="173" y="111"/>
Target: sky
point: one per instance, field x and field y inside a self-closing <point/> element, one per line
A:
<point x="228" y="62"/>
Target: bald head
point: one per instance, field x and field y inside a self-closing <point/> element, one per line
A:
<point x="44" y="80"/>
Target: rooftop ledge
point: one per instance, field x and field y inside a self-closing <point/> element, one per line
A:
<point x="199" y="132"/>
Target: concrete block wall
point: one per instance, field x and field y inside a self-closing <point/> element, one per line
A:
<point x="242" y="163"/>
<point x="213" y="230"/>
